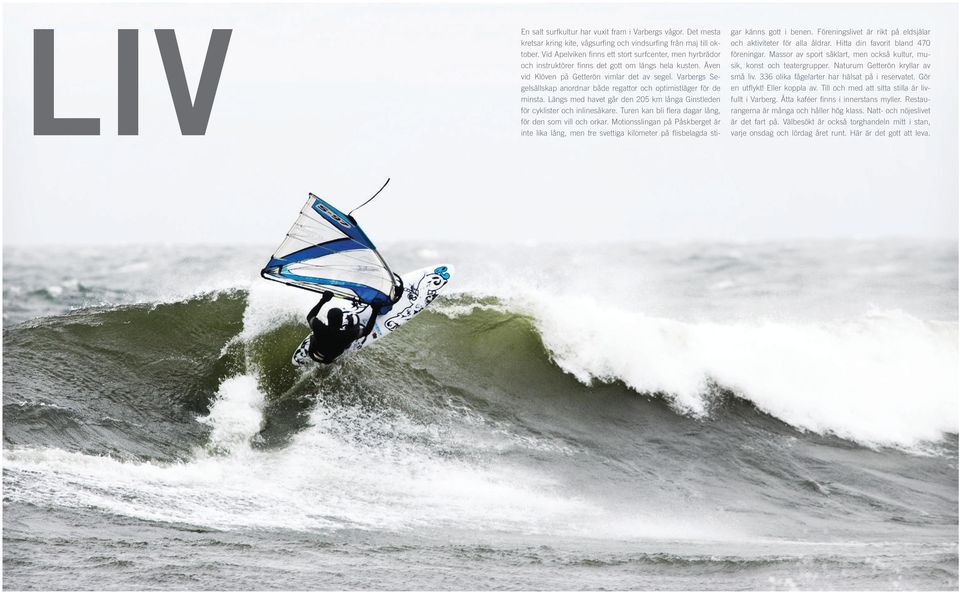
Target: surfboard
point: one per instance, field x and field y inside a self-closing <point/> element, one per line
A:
<point x="420" y="288"/>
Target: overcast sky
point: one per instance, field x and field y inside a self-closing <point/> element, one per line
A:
<point x="334" y="99"/>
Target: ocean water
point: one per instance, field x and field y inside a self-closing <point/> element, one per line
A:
<point x="641" y="416"/>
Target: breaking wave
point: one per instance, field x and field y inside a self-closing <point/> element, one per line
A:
<point x="525" y="415"/>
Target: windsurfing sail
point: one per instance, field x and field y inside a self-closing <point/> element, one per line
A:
<point x="324" y="250"/>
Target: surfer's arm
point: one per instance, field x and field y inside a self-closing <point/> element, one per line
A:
<point x="368" y="327"/>
<point x="327" y="297"/>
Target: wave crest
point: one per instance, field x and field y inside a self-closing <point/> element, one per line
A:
<point x="886" y="379"/>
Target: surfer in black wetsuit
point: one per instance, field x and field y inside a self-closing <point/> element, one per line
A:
<point x="332" y="338"/>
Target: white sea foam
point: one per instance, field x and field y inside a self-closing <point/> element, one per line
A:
<point x="886" y="378"/>
<point x="269" y="304"/>
<point x="236" y="414"/>
<point x="349" y="469"/>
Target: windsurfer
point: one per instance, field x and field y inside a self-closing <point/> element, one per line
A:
<point x="332" y="338"/>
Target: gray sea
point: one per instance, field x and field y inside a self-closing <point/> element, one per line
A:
<point x="619" y="416"/>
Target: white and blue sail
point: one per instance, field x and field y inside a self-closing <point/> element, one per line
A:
<point x="324" y="250"/>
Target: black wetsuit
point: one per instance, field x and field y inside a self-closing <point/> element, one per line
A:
<point x="327" y="343"/>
